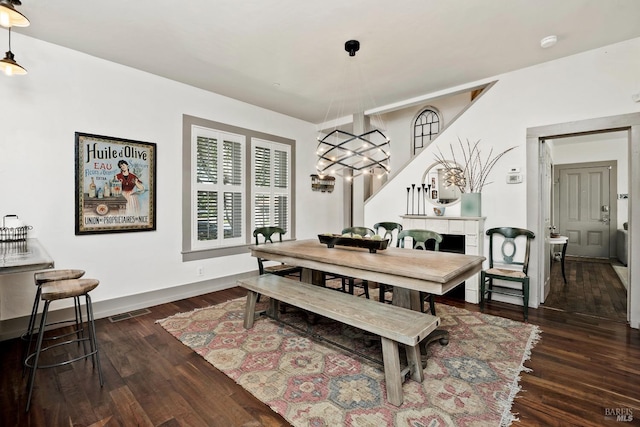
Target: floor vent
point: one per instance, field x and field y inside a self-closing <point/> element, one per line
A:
<point x="128" y="315"/>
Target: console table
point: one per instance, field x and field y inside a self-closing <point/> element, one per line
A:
<point x="25" y="255"/>
<point x="472" y="228"/>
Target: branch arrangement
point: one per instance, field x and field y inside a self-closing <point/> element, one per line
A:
<point x="475" y="169"/>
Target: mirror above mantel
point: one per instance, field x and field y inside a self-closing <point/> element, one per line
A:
<point x="442" y="191"/>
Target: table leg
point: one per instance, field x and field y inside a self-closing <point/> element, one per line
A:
<point x="564" y="252"/>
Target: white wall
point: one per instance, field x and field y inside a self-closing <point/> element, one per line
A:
<point x="67" y="91"/>
<point x="593" y="84"/>
<point x="399" y="124"/>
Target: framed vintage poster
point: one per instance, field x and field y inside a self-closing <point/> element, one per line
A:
<point x="115" y="185"/>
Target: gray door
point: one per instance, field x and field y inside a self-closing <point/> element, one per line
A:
<point x="585" y="210"/>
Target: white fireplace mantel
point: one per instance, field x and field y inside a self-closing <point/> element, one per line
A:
<point x="472" y="228"/>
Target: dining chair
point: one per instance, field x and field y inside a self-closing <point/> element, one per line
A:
<point x="387" y="229"/>
<point x="279" y="269"/>
<point x="423" y="240"/>
<point x="349" y="283"/>
<point x="509" y="249"/>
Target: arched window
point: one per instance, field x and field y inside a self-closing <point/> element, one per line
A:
<point x="425" y="128"/>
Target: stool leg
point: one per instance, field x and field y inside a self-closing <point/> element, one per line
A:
<point x="79" y="324"/>
<point x="32" y="377"/>
<point x="29" y="334"/>
<point x="93" y="339"/>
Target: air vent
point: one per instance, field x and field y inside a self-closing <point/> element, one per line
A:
<point x="128" y="315"/>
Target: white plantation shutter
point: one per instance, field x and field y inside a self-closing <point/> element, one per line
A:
<point x="271" y="190"/>
<point x="219" y="204"/>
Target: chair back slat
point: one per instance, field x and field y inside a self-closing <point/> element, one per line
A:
<point x="510" y="246"/>
<point x="267" y="234"/>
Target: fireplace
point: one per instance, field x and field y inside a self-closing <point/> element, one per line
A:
<point x="462" y="235"/>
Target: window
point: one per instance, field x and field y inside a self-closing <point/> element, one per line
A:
<point x="220" y="202"/>
<point x="234" y="180"/>
<point x="425" y="128"/>
<point x="271" y="191"/>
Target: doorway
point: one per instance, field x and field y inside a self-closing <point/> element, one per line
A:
<point x="630" y="125"/>
<point x="585" y="209"/>
<point x="585" y="202"/>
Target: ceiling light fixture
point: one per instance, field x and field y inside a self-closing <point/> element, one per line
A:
<point x="9" y="64"/>
<point x="548" y="41"/>
<point x="10" y="17"/>
<point x="339" y="150"/>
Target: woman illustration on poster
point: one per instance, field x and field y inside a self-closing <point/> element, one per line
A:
<point x="130" y="187"/>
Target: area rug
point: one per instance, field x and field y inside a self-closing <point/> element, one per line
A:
<point x="472" y="381"/>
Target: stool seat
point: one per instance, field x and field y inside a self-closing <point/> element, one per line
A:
<point x="41" y="277"/>
<point x="69" y="288"/>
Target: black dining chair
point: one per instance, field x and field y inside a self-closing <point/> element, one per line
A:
<point x="423" y="240"/>
<point x="349" y="283"/>
<point x="509" y="249"/>
<point x="279" y="269"/>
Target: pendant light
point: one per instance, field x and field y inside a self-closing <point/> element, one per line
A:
<point x="10" y="17"/>
<point x="339" y="150"/>
<point x="9" y="64"/>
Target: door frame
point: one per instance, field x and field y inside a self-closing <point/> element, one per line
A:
<point x="613" y="191"/>
<point x="535" y="216"/>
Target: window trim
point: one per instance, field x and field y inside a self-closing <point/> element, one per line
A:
<point x="190" y="253"/>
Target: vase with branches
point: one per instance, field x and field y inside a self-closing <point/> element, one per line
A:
<point x="469" y="169"/>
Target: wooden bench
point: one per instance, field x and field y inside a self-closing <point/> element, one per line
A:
<point x="394" y="325"/>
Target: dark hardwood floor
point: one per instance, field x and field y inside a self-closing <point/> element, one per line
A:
<point x="582" y="367"/>
<point x="593" y="288"/>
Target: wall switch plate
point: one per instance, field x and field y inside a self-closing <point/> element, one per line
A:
<point x="514" y="178"/>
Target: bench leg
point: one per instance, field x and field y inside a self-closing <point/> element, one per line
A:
<point x="250" y="310"/>
<point x="414" y="360"/>
<point x="391" y="359"/>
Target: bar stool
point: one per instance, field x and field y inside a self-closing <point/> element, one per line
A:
<point x="41" y="277"/>
<point x="58" y="290"/>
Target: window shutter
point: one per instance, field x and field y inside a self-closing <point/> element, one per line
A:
<point x="207" y="160"/>
<point x="271" y="189"/>
<point x="220" y="203"/>
<point x="262" y="171"/>
<point x="207" y="215"/>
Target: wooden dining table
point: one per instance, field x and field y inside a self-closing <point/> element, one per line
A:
<point x="408" y="271"/>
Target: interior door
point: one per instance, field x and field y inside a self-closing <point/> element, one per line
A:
<point x="546" y="201"/>
<point x="585" y="210"/>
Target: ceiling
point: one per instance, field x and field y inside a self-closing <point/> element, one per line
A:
<point x="288" y="55"/>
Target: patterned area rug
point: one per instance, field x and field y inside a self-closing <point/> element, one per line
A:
<point x="311" y="382"/>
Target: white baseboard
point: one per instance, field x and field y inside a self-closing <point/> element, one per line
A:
<point x="13" y="328"/>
